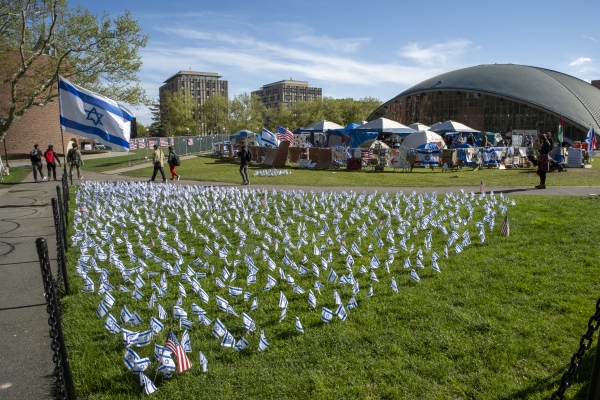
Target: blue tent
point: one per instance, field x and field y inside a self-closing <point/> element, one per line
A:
<point x="350" y="127"/>
<point x="358" y="137"/>
<point x="240" y="134"/>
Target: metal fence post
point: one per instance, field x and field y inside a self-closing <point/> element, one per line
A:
<point x="61" y="260"/>
<point x="594" y="389"/>
<point x="66" y="198"/>
<point x="62" y="217"/>
<point x="62" y="371"/>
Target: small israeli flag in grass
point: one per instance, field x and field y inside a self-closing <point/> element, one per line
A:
<point x="162" y="314"/>
<point x="219" y="283"/>
<point x="262" y="344"/>
<point x="370" y="291"/>
<point x="186" y="323"/>
<point x="332" y="276"/>
<point x="298" y="289"/>
<point x="290" y="279"/>
<point x="144" y="338"/>
<point x="123" y="289"/>
<point x="204" y="320"/>
<point x="254" y="304"/>
<point x="222" y="304"/>
<point x="419" y="264"/>
<point x="312" y="300"/>
<point x="355" y="287"/>
<point x="111" y="325"/>
<point x="129" y="337"/>
<point x="203" y="362"/>
<point x="219" y="329"/>
<point x="341" y="312"/>
<point x="283" y="314"/>
<point x="352" y="303"/>
<point x="299" y="325"/>
<point x="326" y="315"/>
<point x="336" y="297"/>
<point x="414" y="276"/>
<point x="109" y="300"/>
<point x="182" y="290"/>
<point x="394" y="285"/>
<point x="435" y="266"/>
<point x="207" y="251"/>
<point x="235" y="291"/>
<point x="228" y="340"/>
<point x="248" y="322"/>
<point x="373" y="276"/>
<point x="434" y="256"/>
<point x="185" y="342"/>
<point x="155" y="325"/>
<point x="247" y="296"/>
<point x="149" y="387"/>
<point x="458" y="248"/>
<point x="135" y="319"/>
<point x="446" y="251"/>
<point x="270" y="283"/>
<point x="101" y="311"/>
<point x="130" y="357"/>
<point x="179" y="312"/>
<point x="407" y="263"/>
<point x="283" y="303"/>
<point x="241" y="344"/>
<point x="88" y="285"/>
<point x="125" y="315"/>
<point x="203" y="295"/>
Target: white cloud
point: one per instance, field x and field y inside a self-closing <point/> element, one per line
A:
<point x="348" y="45"/>
<point x="580" y="61"/>
<point x="590" y="38"/>
<point x="438" y="53"/>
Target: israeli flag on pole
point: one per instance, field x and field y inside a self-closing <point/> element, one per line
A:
<point x="326" y="315"/>
<point x="283" y="303"/>
<point x="93" y="116"/>
<point x="263" y="344"/>
<point x="312" y="300"/>
<point x="269" y="138"/>
<point x="203" y="362"/>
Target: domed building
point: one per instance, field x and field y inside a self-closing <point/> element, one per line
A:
<point x="503" y="98"/>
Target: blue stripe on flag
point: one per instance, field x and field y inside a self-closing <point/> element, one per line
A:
<point x="91" y="130"/>
<point x="64" y="85"/>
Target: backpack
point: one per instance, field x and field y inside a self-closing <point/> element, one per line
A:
<point x="70" y="155"/>
<point x="176" y="160"/>
<point x="49" y="156"/>
<point x="248" y="155"/>
<point x="35" y="156"/>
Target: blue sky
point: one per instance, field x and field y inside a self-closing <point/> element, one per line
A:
<point x="357" y="48"/>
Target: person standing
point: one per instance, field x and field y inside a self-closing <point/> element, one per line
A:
<point x="173" y="162"/>
<point x="543" y="160"/>
<point x="158" y="159"/>
<point x="51" y="159"/>
<point x="36" y="162"/>
<point x="245" y="156"/>
<point x="74" y="159"/>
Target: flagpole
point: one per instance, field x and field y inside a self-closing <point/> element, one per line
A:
<point x="62" y="136"/>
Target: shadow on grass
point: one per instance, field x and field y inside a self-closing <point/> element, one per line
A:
<point x="553" y="381"/>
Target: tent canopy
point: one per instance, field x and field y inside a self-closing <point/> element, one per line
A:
<point x="429" y="146"/>
<point x="384" y="125"/>
<point x="373" y="144"/>
<point x="358" y="137"/>
<point x="321" y="126"/>
<point x="452" y="126"/>
<point x="419" y="138"/>
<point x="240" y="134"/>
<point x="419" y="127"/>
<point x="350" y="126"/>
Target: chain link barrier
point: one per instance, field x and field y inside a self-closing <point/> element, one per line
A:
<point x="584" y="344"/>
<point x="65" y="388"/>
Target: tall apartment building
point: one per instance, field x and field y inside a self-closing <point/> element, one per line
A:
<point x="201" y="85"/>
<point x="287" y="92"/>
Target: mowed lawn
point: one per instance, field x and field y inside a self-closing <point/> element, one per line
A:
<point x="216" y="169"/>
<point x="500" y="321"/>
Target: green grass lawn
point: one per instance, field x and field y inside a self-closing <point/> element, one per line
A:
<point x="500" y="321"/>
<point x="16" y="175"/>
<point x="216" y="169"/>
<point x="110" y="163"/>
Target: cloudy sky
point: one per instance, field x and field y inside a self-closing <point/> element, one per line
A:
<point x="357" y="48"/>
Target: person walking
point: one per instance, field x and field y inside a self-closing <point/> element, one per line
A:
<point x="36" y="162"/>
<point x="158" y="159"/>
<point x="245" y="156"/>
<point x="51" y="159"/>
<point x="74" y="159"/>
<point x="173" y="162"/>
<point x="543" y="160"/>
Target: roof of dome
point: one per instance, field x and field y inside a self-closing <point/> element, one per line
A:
<point x="559" y="93"/>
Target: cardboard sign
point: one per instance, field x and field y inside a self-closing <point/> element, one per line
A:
<point x="354" y="163"/>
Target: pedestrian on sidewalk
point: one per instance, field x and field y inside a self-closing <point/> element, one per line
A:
<point x="36" y="162"/>
<point x="245" y="156"/>
<point x="51" y="159"/>
<point x="75" y="160"/>
<point x="158" y="159"/>
<point x="543" y="160"/>
<point x="173" y="162"/>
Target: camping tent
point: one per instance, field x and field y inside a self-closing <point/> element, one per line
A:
<point x="419" y="138"/>
<point x="321" y="126"/>
<point x="358" y="137"/>
<point x="384" y="125"/>
<point x="452" y="126"/>
<point x="373" y="144"/>
<point x="251" y="137"/>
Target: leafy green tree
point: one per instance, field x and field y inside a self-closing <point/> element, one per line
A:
<point x="140" y="129"/>
<point x="214" y="115"/>
<point x="179" y="113"/>
<point x="246" y="111"/>
<point x="42" y="39"/>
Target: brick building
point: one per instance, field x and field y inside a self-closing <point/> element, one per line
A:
<point x="39" y="124"/>
<point x="287" y="92"/>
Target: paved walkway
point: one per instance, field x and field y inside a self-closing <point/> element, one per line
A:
<point x="26" y="214"/>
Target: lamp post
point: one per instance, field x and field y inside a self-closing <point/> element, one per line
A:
<point x="2" y="121"/>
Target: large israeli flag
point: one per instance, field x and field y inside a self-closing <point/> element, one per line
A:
<point x="269" y="139"/>
<point x="91" y="115"/>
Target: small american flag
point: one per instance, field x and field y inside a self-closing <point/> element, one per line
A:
<point x="263" y="201"/>
<point x="141" y="143"/>
<point x="284" y="134"/>
<point x="163" y="142"/>
<point x="183" y="362"/>
<point x="505" y="230"/>
<point x="481" y="187"/>
<point x="133" y="145"/>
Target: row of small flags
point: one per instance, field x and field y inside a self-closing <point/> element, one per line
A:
<point x="110" y="195"/>
<point x="272" y="172"/>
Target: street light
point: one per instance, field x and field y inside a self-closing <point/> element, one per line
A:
<point x="2" y="121"/>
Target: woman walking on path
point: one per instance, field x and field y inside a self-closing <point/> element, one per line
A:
<point x="51" y="159"/>
<point x="158" y="159"/>
<point x="173" y="162"/>
<point x="245" y="156"/>
<point x="543" y="160"/>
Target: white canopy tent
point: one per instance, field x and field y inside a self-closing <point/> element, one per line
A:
<point x="383" y="125"/>
<point x="416" y="139"/>
<point x="419" y="127"/>
<point x="322" y="126"/>
<point x="452" y="126"/>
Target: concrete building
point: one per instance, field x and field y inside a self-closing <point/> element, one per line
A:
<point x="287" y="92"/>
<point x="500" y="98"/>
<point x="201" y="85"/>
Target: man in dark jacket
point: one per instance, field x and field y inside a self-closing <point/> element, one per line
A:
<point x="36" y="162"/>
<point x="51" y="159"/>
<point x="245" y="156"/>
